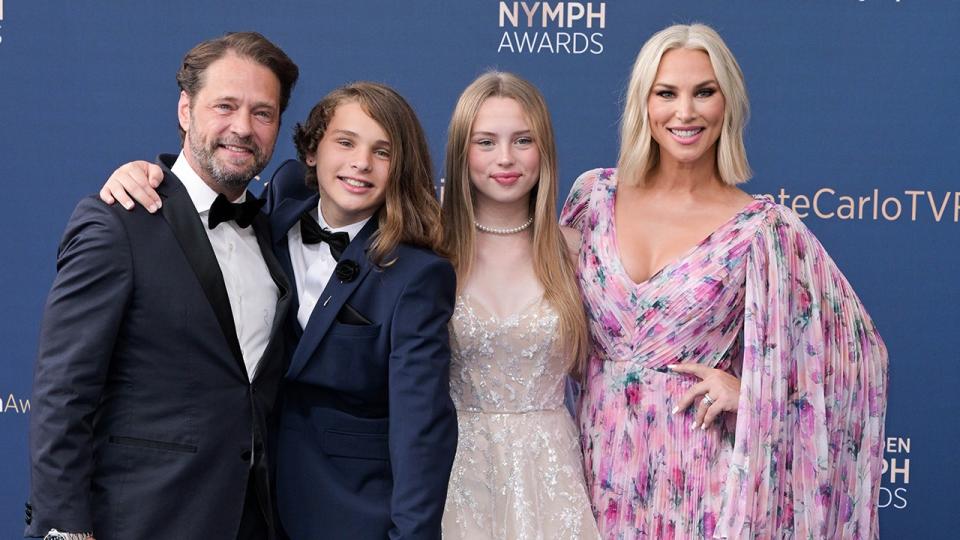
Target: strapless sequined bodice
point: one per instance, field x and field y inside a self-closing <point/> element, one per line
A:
<point x="505" y="365"/>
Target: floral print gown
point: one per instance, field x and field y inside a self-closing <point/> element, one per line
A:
<point x="759" y="297"/>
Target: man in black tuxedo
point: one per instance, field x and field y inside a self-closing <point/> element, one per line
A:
<point x="160" y="352"/>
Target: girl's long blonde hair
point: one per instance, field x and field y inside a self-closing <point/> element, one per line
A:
<point x="551" y="260"/>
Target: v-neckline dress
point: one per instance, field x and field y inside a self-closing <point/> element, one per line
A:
<point x="759" y="298"/>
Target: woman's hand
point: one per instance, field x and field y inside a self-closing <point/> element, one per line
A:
<point x="720" y="391"/>
<point x="136" y="179"/>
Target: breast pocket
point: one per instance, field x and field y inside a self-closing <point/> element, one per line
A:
<point x="355" y="330"/>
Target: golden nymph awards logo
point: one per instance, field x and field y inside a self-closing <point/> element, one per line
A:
<point x="552" y="27"/>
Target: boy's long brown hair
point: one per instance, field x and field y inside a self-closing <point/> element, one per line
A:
<point x="411" y="213"/>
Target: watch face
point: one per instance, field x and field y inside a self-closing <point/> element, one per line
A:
<point x="57" y="535"/>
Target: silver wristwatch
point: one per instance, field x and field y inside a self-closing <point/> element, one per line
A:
<point x="57" y="535"/>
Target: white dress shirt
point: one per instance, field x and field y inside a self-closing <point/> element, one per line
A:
<point x="252" y="292"/>
<point x="313" y="264"/>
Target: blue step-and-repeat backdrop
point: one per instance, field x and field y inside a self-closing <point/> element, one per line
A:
<point x="855" y="125"/>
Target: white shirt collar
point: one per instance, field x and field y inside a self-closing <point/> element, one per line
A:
<point x="200" y="193"/>
<point x="351" y="229"/>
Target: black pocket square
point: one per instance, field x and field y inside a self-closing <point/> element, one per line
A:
<point x="349" y="315"/>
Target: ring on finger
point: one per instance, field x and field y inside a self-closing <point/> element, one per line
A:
<point x="708" y="400"/>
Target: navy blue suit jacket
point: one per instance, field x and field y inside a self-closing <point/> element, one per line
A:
<point x="367" y="429"/>
<point x="143" y="419"/>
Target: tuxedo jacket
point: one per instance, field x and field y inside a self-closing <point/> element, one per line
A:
<point x="367" y="429"/>
<point x="144" y="421"/>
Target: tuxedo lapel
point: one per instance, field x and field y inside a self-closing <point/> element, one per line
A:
<point x="260" y="228"/>
<point x="282" y="251"/>
<point x="180" y="212"/>
<point x="334" y="295"/>
<point x="284" y="216"/>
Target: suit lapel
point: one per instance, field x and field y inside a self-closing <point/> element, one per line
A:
<point x="334" y="295"/>
<point x="180" y="212"/>
<point x="261" y="228"/>
<point x="284" y="216"/>
<point x="282" y="251"/>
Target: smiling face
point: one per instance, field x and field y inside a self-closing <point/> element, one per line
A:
<point x="685" y="108"/>
<point x="352" y="164"/>
<point x="231" y="123"/>
<point x="503" y="158"/>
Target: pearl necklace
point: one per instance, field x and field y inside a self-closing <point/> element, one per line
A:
<point x="511" y="230"/>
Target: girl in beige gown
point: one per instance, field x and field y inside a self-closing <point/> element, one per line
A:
<point x="518" y="328"/>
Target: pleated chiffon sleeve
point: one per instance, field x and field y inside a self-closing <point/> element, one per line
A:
<point x="809" y="432"/>
<point x="576" y="207"/>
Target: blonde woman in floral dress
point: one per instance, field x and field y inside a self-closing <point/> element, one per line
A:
<point x="736" y="387"/>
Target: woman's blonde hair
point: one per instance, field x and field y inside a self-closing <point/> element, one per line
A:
<point x="551" y="260"/>
<point x="411" y="213"/>
<point x="639" y="152"/>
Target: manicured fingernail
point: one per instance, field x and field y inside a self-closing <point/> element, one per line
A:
<point x="694" y="426"/>
<point x="672" y="367"/>
<point x="675" y="410"/>
<point x="159" y="204"/>
<point x="128" y="206"/>
<point x="152" y="208"/>
<point x="703" y="427"/>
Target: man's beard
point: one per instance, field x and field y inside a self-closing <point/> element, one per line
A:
<point x="205" y="154"/>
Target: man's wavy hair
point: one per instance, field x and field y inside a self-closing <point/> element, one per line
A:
<point x="250" y="45"/>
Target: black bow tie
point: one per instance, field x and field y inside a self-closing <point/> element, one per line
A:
<point x="243" y="213"/>
<point x="313" y="233"/>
